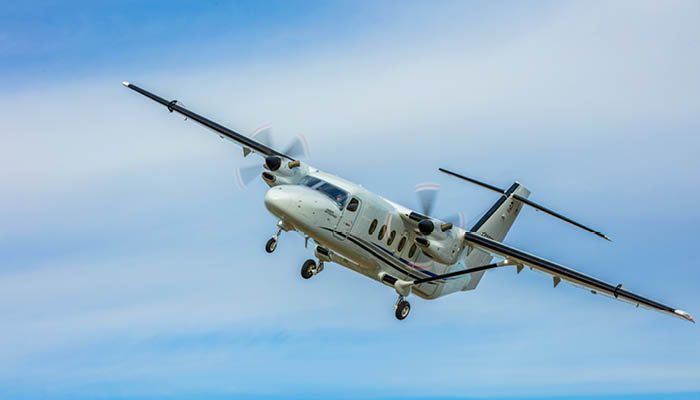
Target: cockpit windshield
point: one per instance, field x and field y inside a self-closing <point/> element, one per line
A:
<point x="338" y="195"/>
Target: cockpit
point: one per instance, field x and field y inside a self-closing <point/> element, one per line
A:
<point x="338" y="195"/>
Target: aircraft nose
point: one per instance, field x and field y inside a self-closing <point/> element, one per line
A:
<point x="279" y="201"/>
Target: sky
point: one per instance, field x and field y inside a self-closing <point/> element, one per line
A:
<point x="133" y="264"/>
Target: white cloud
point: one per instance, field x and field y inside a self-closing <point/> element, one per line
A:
<point x="597" y="79"/>
<point x="621" y="74"/>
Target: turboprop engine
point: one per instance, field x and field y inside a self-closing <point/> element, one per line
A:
<point x="281" y="172"/>
<point x="443" y="244"/>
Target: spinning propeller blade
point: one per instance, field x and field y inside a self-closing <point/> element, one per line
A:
<point x="297" y="148"/>
<point x="263" y="134"/>
<point x="246" y="174"/>
<point x="427" y="192"/>
<point x="455" y="219"/>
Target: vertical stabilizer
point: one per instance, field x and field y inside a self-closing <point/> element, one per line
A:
<point x="495" y="224"/>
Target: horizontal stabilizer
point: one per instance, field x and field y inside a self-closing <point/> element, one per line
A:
<point x="524" y="200"/>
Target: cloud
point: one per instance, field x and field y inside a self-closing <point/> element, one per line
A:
<point x="127" y="257"/>
<point x="574" y="76"/>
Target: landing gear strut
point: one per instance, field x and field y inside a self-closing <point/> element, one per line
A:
<point x="402" y="308"/>
<point x="309" y="268"/>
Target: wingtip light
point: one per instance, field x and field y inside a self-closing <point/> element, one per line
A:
<point x="603" y="236"/>
<point x="684" y="315"/>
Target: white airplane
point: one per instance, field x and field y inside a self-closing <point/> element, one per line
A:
<point x="408" y="251"/>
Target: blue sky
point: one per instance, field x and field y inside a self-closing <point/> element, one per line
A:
<point x="133" y="265"/>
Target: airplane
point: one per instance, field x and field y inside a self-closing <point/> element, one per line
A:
<point x="408" y="251"/>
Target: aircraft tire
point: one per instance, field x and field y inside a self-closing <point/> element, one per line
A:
<point x="308" y="269"/>
<point x="271" y="245"/>
<point x="402" y="310"/>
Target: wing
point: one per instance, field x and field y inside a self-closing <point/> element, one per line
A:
<point x="560" y="272"/>
<point x="247" y="143"/>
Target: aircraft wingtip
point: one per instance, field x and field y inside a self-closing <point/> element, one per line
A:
<point x="125" y="83"/>
<point x="684" y="315"/>
<point x="602" y="235"/>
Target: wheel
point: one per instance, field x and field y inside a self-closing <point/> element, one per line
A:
<point x="271" y="245"/>
<point x="402" y="309"/>
<point x="308" y="269"/>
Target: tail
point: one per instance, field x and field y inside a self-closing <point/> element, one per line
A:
<point x="495" y="225"/>
<point x="497" y="221"/>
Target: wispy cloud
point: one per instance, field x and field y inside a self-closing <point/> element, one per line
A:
<point x="131" y="258"/>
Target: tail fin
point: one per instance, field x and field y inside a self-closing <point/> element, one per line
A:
<point x="497" y="221"/>
<point x="495" y="224"/>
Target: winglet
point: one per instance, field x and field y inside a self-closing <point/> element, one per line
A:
<point x="684" y="315"/>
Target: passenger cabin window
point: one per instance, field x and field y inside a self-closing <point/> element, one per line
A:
<point x="382" y="231"/>
<point x="352" y="205"/>
<point x="392" y="236"/>
<point x="373" y="226"/>
<point x="338" y="195"/>
<point x="412" y="251"/>
<point x="402" y="243"/>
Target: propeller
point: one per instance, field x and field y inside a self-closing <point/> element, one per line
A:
<point x="456" y="219"/>
<point x="297" y="148"/>
<point x="427" y="194"/>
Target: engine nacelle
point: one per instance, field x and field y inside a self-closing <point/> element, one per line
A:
<point x="445" y="249"/>
<point x="281" y="172"/>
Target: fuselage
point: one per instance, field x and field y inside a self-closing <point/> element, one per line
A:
<point x="357" y="228"/>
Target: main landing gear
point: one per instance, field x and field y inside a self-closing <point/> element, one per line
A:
<point x="402" y="308"/>
<point x="310" y="268"/>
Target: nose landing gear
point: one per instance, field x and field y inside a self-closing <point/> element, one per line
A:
<point x="271" y="244"/>
<point x="309" y="268"/>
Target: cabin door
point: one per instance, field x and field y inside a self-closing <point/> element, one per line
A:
<point x="348" y="218"/>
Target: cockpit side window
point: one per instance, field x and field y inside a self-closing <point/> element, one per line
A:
<point x="338" y="195"/>
<point x="353" y="204"/>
